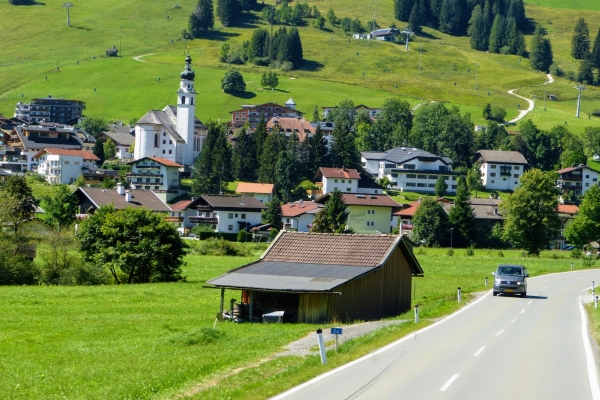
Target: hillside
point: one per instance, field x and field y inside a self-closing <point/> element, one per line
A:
<point x="123" y="88"/>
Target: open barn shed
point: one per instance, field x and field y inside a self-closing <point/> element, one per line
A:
<point x="320" y="277"/>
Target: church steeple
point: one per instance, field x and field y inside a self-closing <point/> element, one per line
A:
<point x="186" y="110"/>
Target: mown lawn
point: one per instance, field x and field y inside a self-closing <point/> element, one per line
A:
<point x="156" y="340"/>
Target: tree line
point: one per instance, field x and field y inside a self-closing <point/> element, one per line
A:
<point x="582" y="49"/>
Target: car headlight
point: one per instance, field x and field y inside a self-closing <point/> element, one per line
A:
<point x="497" y="281"/>
<point x="519" y="283"/>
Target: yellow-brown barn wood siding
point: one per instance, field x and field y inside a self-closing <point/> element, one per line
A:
<point x="380" y="294"/>
<point x="312" y="307"/>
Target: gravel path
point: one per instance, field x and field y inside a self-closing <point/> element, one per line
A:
<point x="523" y="113"/>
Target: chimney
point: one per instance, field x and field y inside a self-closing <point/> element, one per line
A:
<point x="128" y="197"/>
<point x="120" y="189"/>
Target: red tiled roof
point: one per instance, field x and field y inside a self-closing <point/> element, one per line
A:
<point x="166" y="162"/>
<point x="412" y="207"/>
<point x="331" y="249"/>
<point x="567" y="208"/>
<point x="338" y="173"/>
<point x="295" y="209"/>
<point x="248" y="187"/>
<point x="181" y="205"/>
<point x="85" y="154"/>
<point x="288" y="124"/>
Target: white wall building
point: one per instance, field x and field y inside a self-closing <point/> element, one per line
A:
<point x="263" y="192"/>
<point x="173" y="133"/>
<point x="501" y="170"/>
<point x="343" y="179"/>
<point x="64" y="166"/>
<point x="578" y="178"/>
<point x="299" y="215"/>
<point x="158" y="174"/>
<point x="410" y="169"/>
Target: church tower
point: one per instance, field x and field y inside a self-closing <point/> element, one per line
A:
<point x="186" y="110"/>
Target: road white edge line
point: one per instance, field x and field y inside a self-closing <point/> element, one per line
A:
<point x="450" y="381"/>
<point x="591" y="362"/>
<point x="381" y="350"/>
<point x="479" y="351"/>
<point x="500" y="333"/>
<point x="513" y="321"/>
<point x="529" y="302"/>
<point x="522" y="311"/>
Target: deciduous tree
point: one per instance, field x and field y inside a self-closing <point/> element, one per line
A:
<point x="586" y="226"/>
<point x="110" y="149"/>
<point x="93" y="125"/>
<point x="431" y="226"/>
<point x="531" y="219"/>
<point x="233" y="82"/>
<point x="61" y="210"/>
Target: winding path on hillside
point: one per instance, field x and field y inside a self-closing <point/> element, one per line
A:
<point x="523" y="113"/>
<point x="139" y="58"/>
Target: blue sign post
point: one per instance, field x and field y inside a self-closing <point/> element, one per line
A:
<point x="336" y="332"/>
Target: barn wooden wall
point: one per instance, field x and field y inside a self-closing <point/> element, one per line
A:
<point x="380" y="294"/>
<point x="312" y="307"/>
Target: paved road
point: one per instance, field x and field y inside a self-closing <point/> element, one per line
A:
<point x="495" y="348"/>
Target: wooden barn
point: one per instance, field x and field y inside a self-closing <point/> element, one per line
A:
<point x="320" y="277"/>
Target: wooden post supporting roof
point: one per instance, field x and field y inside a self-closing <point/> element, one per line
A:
<point x="222" y="301"/>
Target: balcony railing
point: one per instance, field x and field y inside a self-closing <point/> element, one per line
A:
<point x="174" y="219"/>
<point x="204" y="220"/>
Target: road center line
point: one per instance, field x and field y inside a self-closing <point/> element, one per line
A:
<point x="450" y="381"/>
<point x="522" y="311"/>
<point x="513" y="321"/>
<point x="479" y="351"/>
<point x="500" y="333"/>
<point x="529" y="302"/>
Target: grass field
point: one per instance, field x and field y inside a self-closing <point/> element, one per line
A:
<point x="124" y="89"/>
<point x="568" y="4"/>
<point x="157" y="341"/>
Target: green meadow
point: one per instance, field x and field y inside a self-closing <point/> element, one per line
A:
<point x="44" y="56"/>
<point x="157" y="340"/>
<point x="567" y="4"/>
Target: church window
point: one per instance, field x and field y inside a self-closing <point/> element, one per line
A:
<point x="170" y="151"/>
<point x="156" y="140"/>
<point x="163" y="152"/>
<point x="164" y="142"/>
<point x="170" y="142"/>
<point x="164" y="133"/>
<point x="191" y="100"/>
<point x="182" y="99"/>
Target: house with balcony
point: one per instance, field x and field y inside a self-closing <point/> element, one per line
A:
<point x="50" y="109"/>
<point x="64" y="165"/>
<point x="260" y="191"/>
<point x="160" y="175"/>
<point x="501" y="170"/>
<point x="342" y="179"/>
<point x="299" y="215"/>
<point x="222" y="213"/>
<point x="410" y="169"/>
<point x="578" y="178"/>
<point x="252" y="113"/>
<point x="18" y="149"/>
<point x="91" y="199"/>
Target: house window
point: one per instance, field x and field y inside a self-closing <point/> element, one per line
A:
<point x="67" y="162"/>
<point x="516" y="175"/>
<point x="492" y="181"/>
<point x="230" y="216"/>
<point x="409" y="176"/>
<point x="409" y="166"/>
<point x="148" y="180"/>
<point x="156" y="180"/>
<point x="147" y="187"/>
<point x="587" y="177"/>
<point x="76" y="162"/>
<point x="411" y="184"/>
<point x="243" y="216"/>
<point x="343" y="181"/>
<point x="595" y="180"/>
<point x="396" y="175"/>
<point x="493" y="174"/>
<point x="155" y="187"/>
<point x="419" y="184"/>
<point x="335" y="180"/>
<point x="453" y="186"/>
<point x="170" y="141"/>
<point x="492" y="166"/>
<point x="516" y="167"/>
<point x="587" y="185"/>
<point x="431" y="185"/>
<point x="163" y="151"/>
<point x="287" y="220"/>
<point x="229" y="227"/>
<point x="164" y="133"/>
<point x="348" y="189"/>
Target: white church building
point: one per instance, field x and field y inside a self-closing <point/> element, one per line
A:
<point x="174" y="133"/>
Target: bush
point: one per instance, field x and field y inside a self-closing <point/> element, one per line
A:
<point x="33" y="177"/>
<point x="221" y="247"/>
<point x="588" y="261"/>
<point x="450" y="253"/>
<point x="272" y="233"/>
<point x="556" y="70"/>
<point x="576" y="253"/>
<point x="596" y="113"/>
<point x="500" y="253"/>
<point x="14" y="268"/>
<point x="287" y="66"/>
<point x="470" y="251"/>
<point x="241" y="236"/>
<point x="261" y="61"/>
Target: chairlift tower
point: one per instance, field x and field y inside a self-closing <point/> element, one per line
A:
<point x="68" y="7"/>
<point x="407" y="32"/>
<point x="580" y="88"/>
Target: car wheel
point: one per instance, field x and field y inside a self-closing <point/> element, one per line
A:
<point x="494" y="293"/>
<point x="524" y="294"/>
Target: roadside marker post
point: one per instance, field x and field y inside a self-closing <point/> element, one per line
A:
<point x="459" y="295"/>
<point x="571" y="265"/>
<point x="321" y="346"/>
<point x="593" y="287"/>
<point x="596" y="302"/>
<point x="416" y="314"/>
<point x="336" y="332"/>
<point x="486" y="283"/>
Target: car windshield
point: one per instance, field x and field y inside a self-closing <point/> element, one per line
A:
<point x="515" y="271"/>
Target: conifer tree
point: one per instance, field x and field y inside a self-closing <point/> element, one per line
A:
<point x="319" y="150"/>
<point x="441" y="187"/>
<point x="202" y="19"/>
<point x="99" y="150"/>
<point x="580" y="43"/>
<point x="477" y="30"/>
<point x="242" y="157"/>
<point x="452" y="19"/>
<point x="228" y="11"/>
<point x="258" y="47"/>
<point x="334" y="215"/>
<point x="595" y="55"/>
<point x="415" y="20"/>
<point x="273" y="145"/>
<point x="211" y="170"/>
<point x="462" y="216"/>
<point x="516" y="10"/>
<point x="286" y="175"/>
<point x="497" y="35"/>
<point x="273" y="214"/>
<point x="516" y="41"/>
<point x="402" y="9"/>
<point x="295" y="48"/>
<point x="585" y="73"/>
<point x="316" y="115"/>
<point x="540" y="54"/>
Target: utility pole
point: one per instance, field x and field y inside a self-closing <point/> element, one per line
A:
<point x="407" y="32"/>
<point x="68" y="7"/>
<point x="580" y="88"/>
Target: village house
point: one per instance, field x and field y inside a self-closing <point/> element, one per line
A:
<point x="222" y="213"/>
<point x="368" y="213"/>
<point x="173" y="133"/>
<point x="158" y="174"/>
<point x="122" y="136"/>
<point x="299" y="215"/>
<point x="578" y="178"/>
<point x="252" y="113"/>
<point x="288" y="126"/>
<point x="91" y="199"/>
<point x="501" y="170"/>
<point x="566" y="214"/>
<point x="345" y="180"/>
<point x="263" y="192"/>
<point x="410" y="169"/>
<point x="64" y="165"/>
<point x="372" y="111"/>
<point x="17" y="150"/>
<point x="320" y="278"/>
